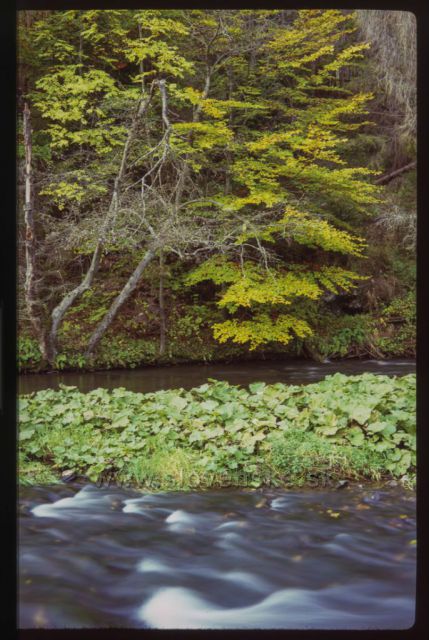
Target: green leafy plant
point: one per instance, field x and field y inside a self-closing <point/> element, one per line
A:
<point x="338" y="336"/>
<point x="397" y="333"/>
<point x="218" y="434"/>
<point x="29" y="355"/>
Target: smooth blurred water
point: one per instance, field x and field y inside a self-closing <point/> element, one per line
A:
<point x="113" y="557"/>
<point x="151" y="379"/>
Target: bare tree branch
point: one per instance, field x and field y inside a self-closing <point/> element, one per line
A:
<point x="61" y="309"/>
<point x="394" y="174"/>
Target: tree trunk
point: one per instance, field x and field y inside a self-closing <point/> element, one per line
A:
<point x="228" y="154"/>
<point x="205" y="93"/>
<point x="195" y="118"/>
<point x="61" y="309"/>
<point x="31" y="299"/>
<point x="119" y="301"/>
<point x="393" y="174"/>
<point x="162" y="320"/>
<point x="150" y="253"/>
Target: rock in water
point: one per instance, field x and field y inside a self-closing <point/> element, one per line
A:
<point x="341" y="484"/>
<point x="68" y="476"/>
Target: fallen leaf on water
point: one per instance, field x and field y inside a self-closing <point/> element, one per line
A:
<point x="297" y="558"/>
<point x="261" y="503"/>
<point x="403" y="516"/>
<point x="361" y="507"/>
<point x="412" y="542"/>
<point x="334" y="514"/>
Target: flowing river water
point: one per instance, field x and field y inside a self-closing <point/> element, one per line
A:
<point x="260" y="558"/>
<point x="149" y="379"/>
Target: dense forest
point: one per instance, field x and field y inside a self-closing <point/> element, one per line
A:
<point x="207" y="185"/>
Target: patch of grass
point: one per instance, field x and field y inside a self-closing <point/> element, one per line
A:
<point x="164" y="468"/>
<point x="308" y="457"/>
<point x="34" y="472"/>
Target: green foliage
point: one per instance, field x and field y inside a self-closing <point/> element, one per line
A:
<point x="70" y="361"/>
<point x="29" y="355"/>
<point x="361" y="426"/>
<point x="338" y="336"/>
<point x="115" y="352"/>
<point x="402" y="308"/>
<point x="85" y="109"/>
<point x="277" y="156"/>
<point x="120" y="351"/>
<point x="251" y="285"/>
<point x="156" y="47"/>
<point x="217" y="269"/>
<point x="68" y="98"/>
<point x="405" y="270"/>
<point x="397" y="333"/>
<point x="310" y="457"/>
<point x="262" y="329"/>
<point x="309" y="230"/>
<point x="296" y="167"/>
<point x="190" y="322"/>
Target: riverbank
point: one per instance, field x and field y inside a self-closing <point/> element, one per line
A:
<point x="386" y="333"/>
<point x="220" y="435"/>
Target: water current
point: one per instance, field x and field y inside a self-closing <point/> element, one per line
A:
<point x="112" y="557"/>
<point x="149" y="379"/>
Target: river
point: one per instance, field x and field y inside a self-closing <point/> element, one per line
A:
<point x="111" y="557"/>
<point x="149" y="379"/>
<point x="227" y="559"/>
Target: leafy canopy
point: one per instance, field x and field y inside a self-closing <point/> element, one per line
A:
<point x="257" y="123"/>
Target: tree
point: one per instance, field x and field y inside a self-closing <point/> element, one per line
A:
<point x="198" y="134"/>
<point x="75" y="102"/>
<point x="288" y="175"/>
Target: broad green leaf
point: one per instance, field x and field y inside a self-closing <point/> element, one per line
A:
<point x="26" y="434"/>
<point x="360" y="414"/>
<point x="355" y="436"/>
